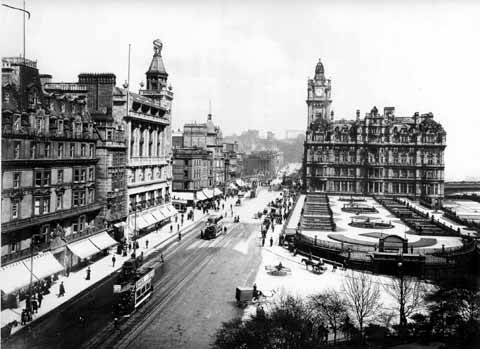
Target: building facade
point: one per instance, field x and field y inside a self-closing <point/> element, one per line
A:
<point x="208" y="136"/>
<point x="380" y="154"/>
<point x="111" y="175"/>
<point x="147" y="120"/>
<point x="265" y="163"/>
<point x="49" y="159"/>
<point x="192" y="169"/>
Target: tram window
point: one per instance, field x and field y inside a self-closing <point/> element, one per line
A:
<point x="139" y="292"/>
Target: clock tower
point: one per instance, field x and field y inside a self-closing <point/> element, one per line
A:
<point x="318" y="98"/>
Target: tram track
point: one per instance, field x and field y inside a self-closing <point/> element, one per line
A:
<point x="165" y="289"/>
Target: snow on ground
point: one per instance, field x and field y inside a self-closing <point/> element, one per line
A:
<point x="301" y="282"/>
<point x="342" y="219"/>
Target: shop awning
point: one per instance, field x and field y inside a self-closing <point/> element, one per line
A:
<point x="158" y="215"/>
<point x="208" y="193"/>
<point x="172" y="210"/>
<point x="15" y="276"/>
<point x="44" y="264"/>
<point x="183" y="195"/>
<point x="217" y="192"/>
<point x="141" y="223"/>
<point x="201" y="196"/>
<point x="166" y="212"/>
<point x="83" y="248"/>
<point x="149" y="219"/>
<point x="103" y="241"/>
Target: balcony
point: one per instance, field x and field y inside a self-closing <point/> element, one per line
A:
<point x="149" y="118"/>
<point x="29" y="132"/>
<point x="53" y="216"/>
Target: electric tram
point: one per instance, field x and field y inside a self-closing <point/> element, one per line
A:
<point x="214" y="227"/>
<point x="133" y="287"/>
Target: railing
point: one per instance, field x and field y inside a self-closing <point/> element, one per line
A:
<point x="147" y="117"/>
<point x="32" y="132"/>
<point x="147" y="161"/>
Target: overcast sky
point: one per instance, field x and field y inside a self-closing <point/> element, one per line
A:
<point x="253" y="58"/>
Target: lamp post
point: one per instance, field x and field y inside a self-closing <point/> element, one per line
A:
<point x="24" y="13"/>
<point x="34" y="243"/>
<point x="227" y="163"/>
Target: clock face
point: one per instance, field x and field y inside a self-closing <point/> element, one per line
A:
<point x="319" y="92"/>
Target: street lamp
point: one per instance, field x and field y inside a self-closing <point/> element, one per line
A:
<point x="227" y="163"/>
<point x="35" y="242"/>
<point x="24" y="12"/>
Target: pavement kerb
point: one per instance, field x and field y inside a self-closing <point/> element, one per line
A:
<point x="97" y="283"/>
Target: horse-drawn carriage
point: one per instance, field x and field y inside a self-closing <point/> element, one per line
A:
<point x="317" y="267"/>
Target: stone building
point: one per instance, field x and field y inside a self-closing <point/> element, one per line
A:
<point x="265" y="163"/>
<point x="111" y="149"/>
<point x="49" y="188"/>
<point x="147" y="122"/>
<point x="209" y="136"/>
<point x="380" y="154"/>
<point x="232" y="161"/>
<point x="192" y="169"/>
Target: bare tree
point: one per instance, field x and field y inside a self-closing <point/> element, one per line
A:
<point x="363" y="296"/>
<point x="330" y="306"/>
<point x="408" y="293"/>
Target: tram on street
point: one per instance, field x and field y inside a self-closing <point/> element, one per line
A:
<point x="133" y="287"/>
<point x="214" y="227"/>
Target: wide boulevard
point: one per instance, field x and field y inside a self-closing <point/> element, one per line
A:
<point x="194" y="292"/>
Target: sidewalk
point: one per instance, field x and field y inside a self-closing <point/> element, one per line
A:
<point x="75" y="283"/>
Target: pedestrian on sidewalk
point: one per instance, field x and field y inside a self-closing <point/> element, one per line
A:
<point x="146" y="244"/>
<point x="23" y="317"/>
<point x="88" y="273"/>
<point x="34" y="306"/>
<point x="161" y="257"/>
<point x="40" y="298"/>
<point x="176" y="218"/>
<point x="113" y="261"/>
<point x="179" y="236"/>
<point x="271" y="241"/>
<point x="263" y="242"/>
<point x="171" y="228"/>
<point x="129" y="247"/>
<point x="61" y="290"/>
<point x="178" y="227"/>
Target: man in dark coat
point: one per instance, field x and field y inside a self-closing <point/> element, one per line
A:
<point x="40" y="298"/>
<point x="88" y="273"/>
<point x="61" y="290"/>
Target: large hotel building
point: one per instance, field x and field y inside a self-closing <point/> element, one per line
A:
<point x="379" y="154"/>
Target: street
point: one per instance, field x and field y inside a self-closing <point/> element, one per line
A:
<point x="194" y="293"/>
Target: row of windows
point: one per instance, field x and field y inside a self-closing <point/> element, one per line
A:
<point x="42" y="178"/>
<point x="148" y="199"/>
<point x="79" y="224"/>
<point x="41" y="204"/>
<point x="39" y="150"/>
